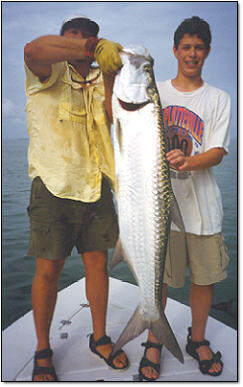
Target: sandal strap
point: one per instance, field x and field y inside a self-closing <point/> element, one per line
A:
<point x="196" y="344"/>
<point x="205" y="365"/>
<point x="43" y="354"/>
<point x="149" y="344"/>
<point x="148" y="363"/>
<point x="102" y="341"/>
<point x="215" y="359"/>
<point x="45" y="371"/>
<point x="145" y="362"/>
<point x="112" y="357"/>
<point x="38" y="370"/>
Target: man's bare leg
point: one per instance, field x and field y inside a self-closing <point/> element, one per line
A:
<point x="44" y="295"/>
<point x="200" y="301"/>
<point x="97" y="284"/>
<point x="153" y="354"/>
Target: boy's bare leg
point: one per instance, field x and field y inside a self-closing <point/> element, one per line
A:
<point x="200" y="301"/>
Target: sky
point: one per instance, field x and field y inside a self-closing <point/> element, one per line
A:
<point x="150" y="24"/>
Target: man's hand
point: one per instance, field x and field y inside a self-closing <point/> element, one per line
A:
<point x="107" y="56"/>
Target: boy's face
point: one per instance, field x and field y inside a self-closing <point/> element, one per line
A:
<point x="190" y="54"/>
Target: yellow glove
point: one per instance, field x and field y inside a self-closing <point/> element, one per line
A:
<point x="107" y="56"/>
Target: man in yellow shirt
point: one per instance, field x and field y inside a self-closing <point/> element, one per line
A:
<point x="72" y="170"/>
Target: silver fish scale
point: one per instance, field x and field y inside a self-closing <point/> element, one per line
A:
<point x="142" y="197"/>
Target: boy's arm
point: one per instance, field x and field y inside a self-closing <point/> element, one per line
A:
<point x="204" y="160"/>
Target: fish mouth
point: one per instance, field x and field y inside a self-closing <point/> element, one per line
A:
<point x="138" y="51"/>
<point x="131" y="107"/>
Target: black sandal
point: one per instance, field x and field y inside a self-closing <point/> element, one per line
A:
<point x="109" y="361"/>
<point x="204" y="365"/>
<point x="38" y="370"/>
<point x="147" y="363"/>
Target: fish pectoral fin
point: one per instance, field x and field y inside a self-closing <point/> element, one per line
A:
<point x="176" y="216"/>
<point x="135" y="326"/>
<point x="118" y="254"/>
<point x="164" y="334"/>
<point x="118" y="132"/>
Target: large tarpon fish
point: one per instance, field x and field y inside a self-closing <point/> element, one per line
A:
<point x="146" y="203"/>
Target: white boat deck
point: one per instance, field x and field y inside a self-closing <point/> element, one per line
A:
<point x="73" y="359"/>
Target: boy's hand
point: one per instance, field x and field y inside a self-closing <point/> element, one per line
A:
<point x="107" y="56"/>
<point x="177" y="160"/>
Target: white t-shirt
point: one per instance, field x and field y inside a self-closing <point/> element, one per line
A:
<point x="197" y="121"/>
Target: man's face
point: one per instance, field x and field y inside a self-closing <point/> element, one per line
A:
<point x="191" y="53"/>
<point x="75" y="33"/>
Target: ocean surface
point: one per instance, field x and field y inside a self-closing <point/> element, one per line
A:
<point x="18" y="269"/>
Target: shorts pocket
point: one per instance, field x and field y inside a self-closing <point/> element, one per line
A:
<point x="49" y="240"/>
<point x="224" y="255"/>
<point x="39" y="239"/>
<point x="39" y="209"/>
<point x="40" y="228"/>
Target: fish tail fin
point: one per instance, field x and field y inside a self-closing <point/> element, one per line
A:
<point x="135" y="326"/>
<point x="164" y="334"/>
<point x="160" y="329"/>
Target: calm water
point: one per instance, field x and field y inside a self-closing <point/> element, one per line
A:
<point x="18" y="269"/>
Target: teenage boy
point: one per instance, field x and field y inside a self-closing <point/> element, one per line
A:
<point x="197" y="119"/>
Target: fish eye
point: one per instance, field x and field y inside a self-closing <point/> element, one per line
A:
<point x="146" y="67"/>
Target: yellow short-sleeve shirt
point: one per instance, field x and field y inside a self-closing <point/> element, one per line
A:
<point x="70" y="146"/>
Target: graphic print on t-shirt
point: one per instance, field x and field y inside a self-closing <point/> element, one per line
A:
<point x="184" y="129"/>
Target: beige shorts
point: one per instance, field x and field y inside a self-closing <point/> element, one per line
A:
<point x="205" y="256"/>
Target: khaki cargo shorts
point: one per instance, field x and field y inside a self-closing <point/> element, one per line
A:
<point x="57" y="225"/>
<point x="205" y="256"/>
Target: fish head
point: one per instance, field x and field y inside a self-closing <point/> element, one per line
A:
<point x="134" y="78"/>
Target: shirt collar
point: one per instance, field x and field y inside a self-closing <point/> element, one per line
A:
<point x="90" y="78"/>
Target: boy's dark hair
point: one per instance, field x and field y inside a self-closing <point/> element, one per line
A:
<point x="87" y="26"/>
<point x="193" y="26"/>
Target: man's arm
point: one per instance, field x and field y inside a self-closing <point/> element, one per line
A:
<point x="203" y="160"/>
<point x="42" y="52"/>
